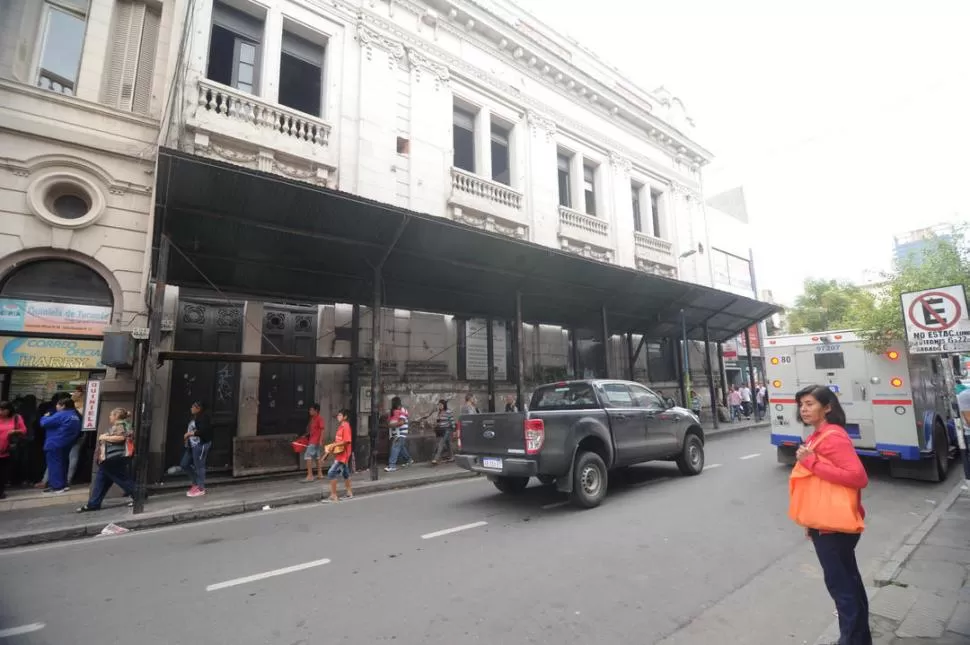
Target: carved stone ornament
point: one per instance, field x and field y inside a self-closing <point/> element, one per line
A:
<point x="587" y="251"/>
<point x="491" y="224"/>
<point x="620" y="163"/>
<point x="420" y="64"/>
<point x="369" y="39"/>
<point x="541" y="124"/>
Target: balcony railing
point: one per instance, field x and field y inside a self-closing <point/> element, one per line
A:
<point x="588" y="223"/>
<point x="655" y="244"/>
<point x="491" y="191"/>
<point x="246" y="108"/>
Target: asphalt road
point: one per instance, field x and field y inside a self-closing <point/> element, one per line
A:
<point x="666" y="559"/>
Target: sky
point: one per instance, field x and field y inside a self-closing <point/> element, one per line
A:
<point x="846" y="121"/>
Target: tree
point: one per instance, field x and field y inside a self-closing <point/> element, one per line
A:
<point x="944" y="262"/>
<point x="827" y="305"/>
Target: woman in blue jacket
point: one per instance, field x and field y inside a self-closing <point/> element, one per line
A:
<point x="63" y="427"/>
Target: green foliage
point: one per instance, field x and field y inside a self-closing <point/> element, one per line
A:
<point x="826" y="305"/>
<point x="945" y="263"/>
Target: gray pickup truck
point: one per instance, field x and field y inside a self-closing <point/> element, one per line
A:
<point x="574" y="433"/>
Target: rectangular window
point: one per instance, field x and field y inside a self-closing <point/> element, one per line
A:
<point x="501" y="168"/>
<point x="655" y="197"/>
<point x="234" y="48"/>
<point x="130" y="66"/>
<point x="61" y="45"/>
<point x="463" y="139"/>
<point x="830" y="361"/>
<point x="635" y="198"/>
<point x="589" y="189"/>
<point x="565" y="396"/>
<point x="301" y="74"/>
<point x="565" y="199"/>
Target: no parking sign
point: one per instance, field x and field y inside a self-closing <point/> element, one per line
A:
<point x="936" y="320"/>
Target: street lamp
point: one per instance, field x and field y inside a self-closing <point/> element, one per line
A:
<point x="685" y="356"/>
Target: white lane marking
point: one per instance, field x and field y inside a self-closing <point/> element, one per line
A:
<point x="751" y="456"/>
<point x="554" y="505"/>
<point x="454" y="529"/>
<point x="710" y="466"/>
<point x="267" y="574"/>
<point x="23" y="629"/>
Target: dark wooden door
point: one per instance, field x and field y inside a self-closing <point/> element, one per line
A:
<point x="204" y="325"/>
<point x="285" y="391"/>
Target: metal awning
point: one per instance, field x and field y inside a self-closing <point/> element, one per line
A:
<point x="263" y="236"/>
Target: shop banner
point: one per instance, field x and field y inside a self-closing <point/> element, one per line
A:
<point x="56" y="353"/>
<point x="53" y="317"/>
<point x="92" y="401"/>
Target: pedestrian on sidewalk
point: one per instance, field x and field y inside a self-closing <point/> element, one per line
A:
<point x="695" y="403"/>
<point x="734" y="402"/>
<point x="314" y="450"/>
<point x="444" y="426"/>
<point x="11" y="424"/>
<point x="471" y="404"/>
<point x="399" y="435"/>
<point x="63" y="428"/>
<point x="198" y="438"/>
<point x="761" y="399"/>
<point x="114" y="458"/>
<point x="828" y="454"/>
<point x="340" y="449"/>
<point x="746" y="401"/>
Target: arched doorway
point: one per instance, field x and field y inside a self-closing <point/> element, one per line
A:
<point x="53" y="313"/>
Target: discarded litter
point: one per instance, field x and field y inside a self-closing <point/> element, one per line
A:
<point x="267" y="507"/>
<point x="114" y="529"/>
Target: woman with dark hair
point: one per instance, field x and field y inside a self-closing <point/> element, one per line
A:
<point x="10" y="424"/>
<point x="828" y="454"/>
<point x="198" y="440"/>
<point x="114" y="457"/>
<point x="63" y="429"/>
<point x="444" y="426"/>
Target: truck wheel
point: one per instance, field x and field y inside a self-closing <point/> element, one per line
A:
<point x="589" y="480"/>
<point x="691" y="457"/>
<point x="941" y="446"/>
<point x="511" y="485"/>
<point x="546" y="480"/>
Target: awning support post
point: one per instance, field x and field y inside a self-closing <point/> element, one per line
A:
<point x="747" y="341"/>
<point x="149" y="361"/>
<point x="709" y="372"/>
<point x="490" y="350"/>
<point x="355" y="379"/>
<point x="631" y="369"/>
<point x="606" y="342"/>
<point x="684" y="362"/>
<point x="375" y="374"/>
<point x="722" y="374"/>
<point x="519" y="353"/>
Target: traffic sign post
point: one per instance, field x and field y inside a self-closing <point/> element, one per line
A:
<point x="936" y="320"/>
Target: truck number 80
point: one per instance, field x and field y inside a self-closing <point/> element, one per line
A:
<point x="784" y="359"/>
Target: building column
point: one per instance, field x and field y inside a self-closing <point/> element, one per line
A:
<point x="269" y="72"/>
<point x="623" y="224"/>
<point x="483" y="143"/>
<point x="252" y="343"/>
<point x="577" y="194"/>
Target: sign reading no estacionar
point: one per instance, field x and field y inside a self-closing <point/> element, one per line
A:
<point x="937" y="320"/>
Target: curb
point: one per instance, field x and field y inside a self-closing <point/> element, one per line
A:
<point x="722" y="432"/>
<point x="898" y="559"/>
<point x="153" y="520"/>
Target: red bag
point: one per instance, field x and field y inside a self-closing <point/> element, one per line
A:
<point x="300" y="445"/>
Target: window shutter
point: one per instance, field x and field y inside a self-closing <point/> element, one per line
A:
<point x="119" y="86"/>
<point x="145" y="74"/>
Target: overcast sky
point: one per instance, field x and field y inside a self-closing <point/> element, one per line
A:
<point x="846" y="121"/>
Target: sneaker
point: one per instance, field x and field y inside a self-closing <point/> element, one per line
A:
<point x="198" y="492"/>
<point x="390" y="469"/>
<point x="51" y="491"/>
<point x="192" y="491"/>
<point x="410" y="463"/>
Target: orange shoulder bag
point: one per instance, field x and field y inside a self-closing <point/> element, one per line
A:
<point x="823" y="505"/>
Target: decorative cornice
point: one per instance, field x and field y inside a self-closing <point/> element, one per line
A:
<point x="418" y="62"/>
<point x="21" y="168"/>
<point x="541" y="124"/>
<point x="620" y="163"/>
<point x="369" y="39"/>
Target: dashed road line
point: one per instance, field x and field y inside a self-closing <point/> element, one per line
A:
<point x="751" y="456"/>
<point x="454" y="529"/>
<point x="710" y="466"/>
<point x="267" y="574"/>
<point x="23" y="629"/>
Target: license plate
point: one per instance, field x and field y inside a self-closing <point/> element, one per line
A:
<point x="492" y="462"/>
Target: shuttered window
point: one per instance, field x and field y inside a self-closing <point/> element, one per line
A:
<point x="131" y="59"/>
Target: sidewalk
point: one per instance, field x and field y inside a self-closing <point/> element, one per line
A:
<point x="57" y="520"/>
<point x="923" y="593"/>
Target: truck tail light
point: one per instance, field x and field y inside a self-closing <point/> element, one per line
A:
<point x="892" y="355"/>
<point x="535" y="435"/>
<point x="896" y="382"/>
<point x="458" y="435"/>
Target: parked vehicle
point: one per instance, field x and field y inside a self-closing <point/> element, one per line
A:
<point x="897" y="404"/>
<point x="574" y="433"/>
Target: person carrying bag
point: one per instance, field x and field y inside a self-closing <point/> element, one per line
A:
<point x="825" y="497"/>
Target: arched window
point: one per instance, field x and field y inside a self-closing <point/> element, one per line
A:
<point x="57" y="281"/>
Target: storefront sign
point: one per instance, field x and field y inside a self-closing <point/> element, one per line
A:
<point x="53" y="317"/>
<point x="92" y="401"/>
<point x="476" y="350"/>
<point x="57" y="353"/>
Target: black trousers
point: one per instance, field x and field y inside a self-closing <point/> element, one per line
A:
<point x="836" y="554"/>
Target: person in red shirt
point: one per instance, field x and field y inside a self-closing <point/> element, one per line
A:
<point x="829" y="454"/>
<point x="340" y="449"/>
<point x="314" y="450"/>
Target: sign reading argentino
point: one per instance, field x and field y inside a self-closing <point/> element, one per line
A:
<point x="936" y="320"/>
<point x="53" y="318"/>
<point x="57" y="353"/>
